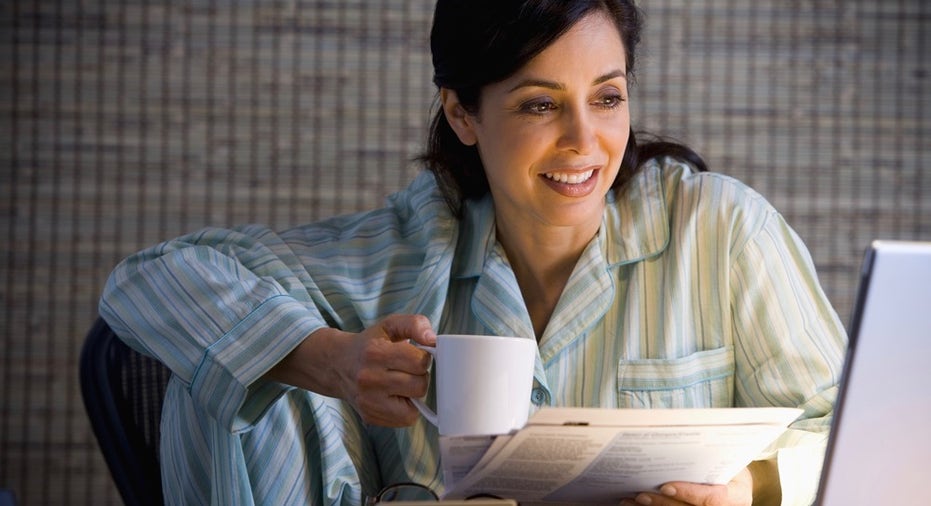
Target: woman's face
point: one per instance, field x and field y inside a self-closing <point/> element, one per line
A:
<point x="552" y="136"/>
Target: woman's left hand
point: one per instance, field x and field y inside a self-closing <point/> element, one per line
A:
<point x="738" y="492"/>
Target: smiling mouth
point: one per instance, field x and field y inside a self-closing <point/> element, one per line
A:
<point x="570" y="177"/>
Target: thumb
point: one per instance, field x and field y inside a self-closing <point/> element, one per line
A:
<point x="409" y="327"/>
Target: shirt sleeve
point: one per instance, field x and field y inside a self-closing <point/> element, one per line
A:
<point x="790" y="348"/>
<point x="221" y="307"/>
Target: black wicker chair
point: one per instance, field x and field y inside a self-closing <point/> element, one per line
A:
<point x="123" y="392"/>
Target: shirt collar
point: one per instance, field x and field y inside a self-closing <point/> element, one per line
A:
<point x="476" y="236"/>
<point x="636" y="218"/>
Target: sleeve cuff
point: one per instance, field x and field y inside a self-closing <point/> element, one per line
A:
<point x="799" y="462"/>
<point x="227" y="383"/>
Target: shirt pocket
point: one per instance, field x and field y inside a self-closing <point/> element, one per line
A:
<point x="704" y="379"/>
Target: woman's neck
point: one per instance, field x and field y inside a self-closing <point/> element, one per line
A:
<point x="542" y="261"/>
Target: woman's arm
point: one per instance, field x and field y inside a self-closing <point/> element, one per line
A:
<point x="790" y="347"/>
<point x="376" y="371"/>
<point x="222" y="307"/>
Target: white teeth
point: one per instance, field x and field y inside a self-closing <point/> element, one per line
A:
<point x="573" y="178"/>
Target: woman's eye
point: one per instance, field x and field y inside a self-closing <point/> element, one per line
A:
<point x="609" y="101"/>
<point x="538" y="107"/>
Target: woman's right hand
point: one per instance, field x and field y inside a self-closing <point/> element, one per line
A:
<point x="377" y="371"/>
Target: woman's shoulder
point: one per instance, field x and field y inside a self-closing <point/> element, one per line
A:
<point x="686" y="188"/>
<point x="683" y="180"/>
<point x="704" y="203"/>
<point x="418" y="209"/>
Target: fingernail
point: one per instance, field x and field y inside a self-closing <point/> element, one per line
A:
<point x="668" y="490"/>
<point x="643" y="499"/>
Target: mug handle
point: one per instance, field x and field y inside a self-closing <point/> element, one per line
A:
<point x="427" y="413"/>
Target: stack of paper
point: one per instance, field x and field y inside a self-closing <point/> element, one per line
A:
<point x="594" y="456"/>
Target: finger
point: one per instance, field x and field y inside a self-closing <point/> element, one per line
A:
<point x="402" y="357"/>
<point x="406" y="385"/>
<point x="389" y="382"/>
<point x="388" y="411"/>
<point x="652" y="499"/>
<point x="693" y="493"/>
<point x="409" y="327"/>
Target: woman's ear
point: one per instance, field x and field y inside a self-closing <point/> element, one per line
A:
<point x="459" y="119"/>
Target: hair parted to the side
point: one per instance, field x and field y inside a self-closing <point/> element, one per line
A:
<point x="475" y="43"/>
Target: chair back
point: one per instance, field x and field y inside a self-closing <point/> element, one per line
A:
<point x="123" y="392"/>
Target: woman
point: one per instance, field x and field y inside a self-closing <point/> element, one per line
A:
<point x="646" y="282"/>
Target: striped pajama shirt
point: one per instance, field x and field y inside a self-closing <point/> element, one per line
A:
<point x="694" y="293"/>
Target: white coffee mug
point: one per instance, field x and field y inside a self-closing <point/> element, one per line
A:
<point x="483" y="384"/>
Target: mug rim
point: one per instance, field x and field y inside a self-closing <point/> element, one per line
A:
<point x="481" y="336"/>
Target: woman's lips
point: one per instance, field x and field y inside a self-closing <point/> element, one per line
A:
<point x="570" y="177"/>
<point x="577" y="183"/>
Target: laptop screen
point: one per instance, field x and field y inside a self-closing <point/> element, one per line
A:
<point x="880" y="442"/>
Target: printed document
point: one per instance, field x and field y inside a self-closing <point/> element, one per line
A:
<point x="596" y="456"/>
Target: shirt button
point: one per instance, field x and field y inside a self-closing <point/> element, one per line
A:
<point x="538" y="396"/>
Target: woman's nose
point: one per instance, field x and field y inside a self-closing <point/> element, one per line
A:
<point x="578" y="131"/>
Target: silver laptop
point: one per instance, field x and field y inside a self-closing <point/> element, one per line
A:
<point x="879" y="451"/>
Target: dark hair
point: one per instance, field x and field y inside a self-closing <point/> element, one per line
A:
<point x="480" y="42"/>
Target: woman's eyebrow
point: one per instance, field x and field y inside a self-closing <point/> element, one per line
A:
<point x="614" y="74"/>
<point x="555" y="85"/>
